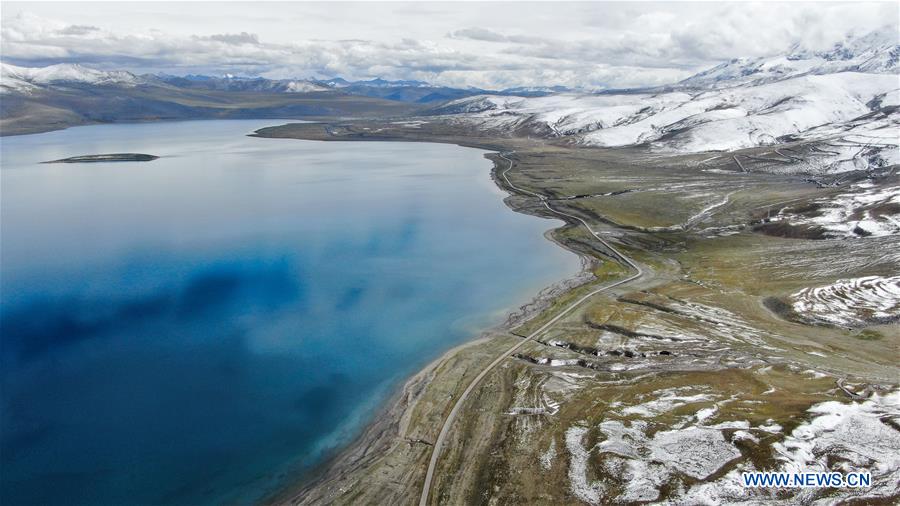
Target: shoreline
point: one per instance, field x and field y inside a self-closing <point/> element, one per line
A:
<point x="390" y="420"/>
<point x="483" y="449"/>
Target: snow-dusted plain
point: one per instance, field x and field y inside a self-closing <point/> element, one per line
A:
<point x="849" y="437"/>
<point x="837" y="436"/>
<point x="851" y="302"/>
<point x="864" y="210"/>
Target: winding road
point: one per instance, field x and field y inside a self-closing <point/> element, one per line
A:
<point x="448" y="422"/>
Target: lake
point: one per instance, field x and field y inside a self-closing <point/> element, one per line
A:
<point x="193" y="329"/>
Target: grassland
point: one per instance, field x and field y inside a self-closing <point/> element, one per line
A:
<point x="691" y="346"/>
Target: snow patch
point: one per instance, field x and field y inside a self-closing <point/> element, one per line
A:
<point x="864" y="211"/>
<point x="668" y="401"/>
<point x="695" y="451"/>
<point x="548" y="456"/>
<point x="589" y="492"/>
<point x="849" y="437"/>
<point x="851" y="302"/>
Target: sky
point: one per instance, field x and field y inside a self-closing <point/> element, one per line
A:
<point x="487" y="45"/>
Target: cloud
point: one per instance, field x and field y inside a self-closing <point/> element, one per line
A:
<point x="478" y="34"/>
<point x="236" y="38"/>
<point x="486" y="35"/>
<point x="591" y="45"/>
<point x="78" y="30"/>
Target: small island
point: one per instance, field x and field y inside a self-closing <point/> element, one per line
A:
<point x="111" y="157"/>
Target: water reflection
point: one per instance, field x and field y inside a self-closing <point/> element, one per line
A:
<point x="193" y="329"/>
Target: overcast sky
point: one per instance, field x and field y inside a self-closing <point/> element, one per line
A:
<point x="490" y="45"/>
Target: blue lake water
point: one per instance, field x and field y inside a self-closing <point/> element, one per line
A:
<point x="194" y="329"/>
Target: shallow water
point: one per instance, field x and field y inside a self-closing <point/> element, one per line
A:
<point x="192" y="329"/>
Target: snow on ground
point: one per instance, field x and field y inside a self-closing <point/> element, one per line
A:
<point x="548" y="456"/>
<point x="696" y="451"/>
<point x="588" y="492"/>
<point x="849" y="437"/>
<point x="864" y="210"/>
<point x="842" y="437"/>
<point x="838" y="436"/>
<point x="706" y="413"/>
<point x="770" y="427"/>
<point x="303" y="87"/>
<point x="642" y="480"/>
<point x="724" y="491"/>
<point x="645" y="463"/>
<point x="851" y="302"/>
<point x="871" y="52"/>
<point x="743" y="435"/>
<point x="12" y="80"/>
<point x="25" y="79"/>
<point x="752" y="116"/>
<point x="719" y="119"/>
<point x="668" y="400"/>
<point x="849" y="89"/>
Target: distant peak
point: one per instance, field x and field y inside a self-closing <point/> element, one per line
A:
<point x="875" y="52"/>
<point x="850" y="46"/>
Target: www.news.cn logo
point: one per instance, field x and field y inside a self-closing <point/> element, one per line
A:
<point x="805" y="480"/>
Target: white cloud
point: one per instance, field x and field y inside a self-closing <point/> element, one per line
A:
<point x="484" y="45"/>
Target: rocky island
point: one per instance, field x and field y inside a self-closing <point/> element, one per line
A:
<point x="110" y="157"/>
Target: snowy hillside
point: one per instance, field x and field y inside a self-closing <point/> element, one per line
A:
<point x="24" y="80"/>
<point x="733" y="109"/>
<point x="15" y="79"/>
<point x="230" y="82"/>
<point x="31" y="81"/>
<point x="303" y="87"/>
<point x="721" y="119"/>
<point x="875" y="53"/>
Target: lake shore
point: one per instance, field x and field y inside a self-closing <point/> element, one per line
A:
<point x="390" y="426"/>
<point x="703" y="283"/>
<point x="391" y="423"/>
<point x="445" y="207"/>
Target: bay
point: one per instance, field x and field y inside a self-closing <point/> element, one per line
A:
<point x="199" y="328"/>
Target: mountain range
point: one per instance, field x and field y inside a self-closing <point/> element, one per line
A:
<point x="58" y="96"/>
<point x="851" y="88"/>
<point x="25" y="80"/>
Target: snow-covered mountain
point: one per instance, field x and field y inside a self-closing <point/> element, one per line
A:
<point x="383" y="83"/>
<point x="535" y="91"/>
<point x="877" y="52"/>
<point x="15" y="79"/>
<point x="230" y="82"/>
<point x="720" y="119"/>
<point x="851" y="89"/>
<point x="62" y="77"/>
<point x="25" y="79"/>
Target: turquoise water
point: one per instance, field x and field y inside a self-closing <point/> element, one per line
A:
<point x="192" y="330"/>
